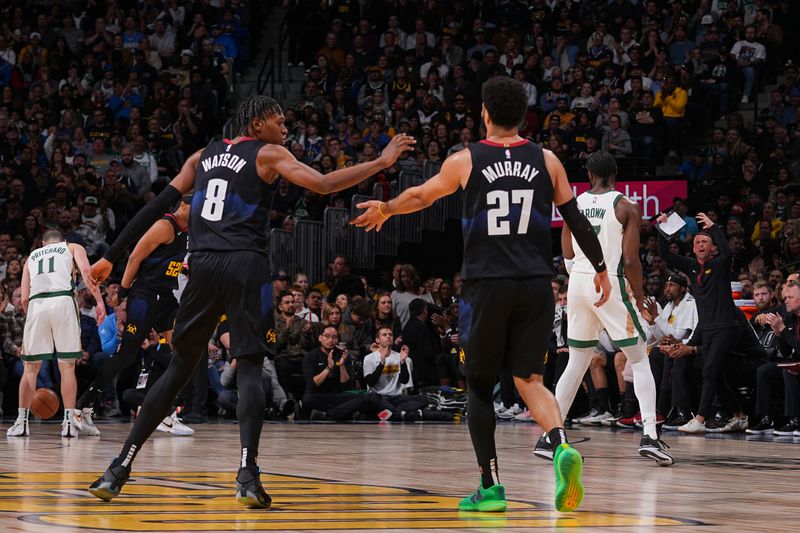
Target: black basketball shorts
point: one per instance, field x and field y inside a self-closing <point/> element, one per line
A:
<point x="505" y="324"/>
<point x="237" y="284"/>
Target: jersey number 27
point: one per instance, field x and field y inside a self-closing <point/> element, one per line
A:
<point x="499" y="204"/>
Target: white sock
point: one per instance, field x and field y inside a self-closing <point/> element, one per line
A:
<point x="67" y="413"/>
<point x="570" y="381"/>
<point x="22" y="413"/>
<point x="644" y="385"/>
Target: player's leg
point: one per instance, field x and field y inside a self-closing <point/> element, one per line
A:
<point x="195" y="324"/>
<point x="69" y="390"/>
<point x="483" y="315"/>
<point x="248" y="302"/>
<point x="528" y="331"/>
<point x="27" y="388"/>
<point x="139" y="321"/>
<point x="645" y="387"/>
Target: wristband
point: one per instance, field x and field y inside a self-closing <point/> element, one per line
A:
<point x="123" y="292"/>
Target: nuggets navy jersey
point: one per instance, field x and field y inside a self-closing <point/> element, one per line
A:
<point x="159" y="271"/>
<point x="507" y="210"/>
<point x="231" y="203"/>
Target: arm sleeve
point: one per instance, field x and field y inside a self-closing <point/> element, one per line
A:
<point x="404" y="373"/>
<point x="721" y="242"/>
<point x="372" y="378"/>
<point x="684" y="264"/>
<point x="584" y="234"/>
<point x="145" y="218"/>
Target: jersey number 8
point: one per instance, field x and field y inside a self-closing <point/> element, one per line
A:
<point x="500" y="209"/>
<point x="215" y="200"/>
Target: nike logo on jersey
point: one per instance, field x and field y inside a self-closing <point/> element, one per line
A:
<point x="233" y="162"/>
<point x="509" y="168"/>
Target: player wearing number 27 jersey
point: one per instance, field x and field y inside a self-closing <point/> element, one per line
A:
<point x="506" y="310"/>
<point x="228" y="272"/>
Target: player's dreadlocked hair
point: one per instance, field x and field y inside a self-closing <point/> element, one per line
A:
<point x="254" y="107"/>
<point x="603" y="166"/>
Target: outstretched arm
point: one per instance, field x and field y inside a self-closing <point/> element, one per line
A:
<point x="454" y="169"/>
<point x="159" y="233"/>
<point x="275" y="159"/>
<point x="147" y="216"/>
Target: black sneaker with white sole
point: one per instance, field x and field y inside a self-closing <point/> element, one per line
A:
<point x="543" y="449"/>
<point x="788" y="429"/>
<point x="655" y="449"/>
<point x="108" y="486"/>
<point x="249" y="491"/>
<point x="765" y="427"/>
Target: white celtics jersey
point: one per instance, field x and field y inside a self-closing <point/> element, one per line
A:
<point x="51" y="269"/>
<point x="599" y="209"/>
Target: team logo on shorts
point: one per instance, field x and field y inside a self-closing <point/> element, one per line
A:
<point x="271" y="336"/>
<point x="461" y="356"/>
<point x="132" y="329"/>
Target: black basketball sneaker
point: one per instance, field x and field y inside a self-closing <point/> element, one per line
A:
<point x="249" y="491"/>
<point x="108" y="486"/>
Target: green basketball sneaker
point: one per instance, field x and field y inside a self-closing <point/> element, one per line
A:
<point x="483" y="500"/>
<point x="569" y="489"/>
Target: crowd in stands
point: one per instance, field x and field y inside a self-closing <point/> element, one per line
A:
<point x="102" y="101"/>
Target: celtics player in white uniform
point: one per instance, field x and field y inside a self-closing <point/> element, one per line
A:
<point x="52" y="324"/>
<point x="616" y="220"/>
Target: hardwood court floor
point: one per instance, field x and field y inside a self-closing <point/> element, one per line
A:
<point x="396" y="477"/>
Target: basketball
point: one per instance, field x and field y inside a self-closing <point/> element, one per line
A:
<point x="45" y="403"/>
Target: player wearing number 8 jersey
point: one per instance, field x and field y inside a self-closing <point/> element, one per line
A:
<point x="506" y="310"/>
<point x="150" y="278"/>
<point x="229" y="272"/>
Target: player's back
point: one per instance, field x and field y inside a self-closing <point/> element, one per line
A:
<point x="51" y="269"/>
<point x="599" y="209"/>
<point x="507" y="212"/>
<point x="231" y="203"/>
<point x="159" y="270"/>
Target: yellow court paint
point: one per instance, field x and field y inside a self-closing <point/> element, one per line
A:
<point x="203" y="501"/>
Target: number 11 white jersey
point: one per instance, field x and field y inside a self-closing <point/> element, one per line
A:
<point x="51" y="269"/>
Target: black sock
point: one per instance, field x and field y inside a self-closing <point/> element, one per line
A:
<point x="481" y="422"/>
<point x="557" y="436"/>
<point x="490" y="475"/>
<point x="89" y="397"/>
<point x="250" y="408"/>
<point x="602" y="399"/>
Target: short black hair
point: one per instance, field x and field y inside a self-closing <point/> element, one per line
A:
<point x="505" y="100"/>
<point x="603" y="165"/>
<point x="416" y="306"/>
<point x="283" y="295"/>
<point x="253" y="107"/>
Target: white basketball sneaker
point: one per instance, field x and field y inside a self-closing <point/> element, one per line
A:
<point x="19" y="429"/>
<point x="88" y="423"/>
<point x="68" y="426"/>
<point x="172" y="424"/>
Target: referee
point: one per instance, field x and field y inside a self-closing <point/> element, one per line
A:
<point x="711" y="286"/>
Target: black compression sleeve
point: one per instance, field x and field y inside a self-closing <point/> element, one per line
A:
<point x="146" y="217"/>
<point x="584" y="234"/>
<point x="372" y="379"/>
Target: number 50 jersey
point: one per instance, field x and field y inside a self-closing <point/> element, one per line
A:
<point x="508" y="203"/>
<point x="231" y="203"/>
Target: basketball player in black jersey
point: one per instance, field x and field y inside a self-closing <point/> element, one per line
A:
<point x="149" y="279"/>
<point x="506" y="310"/>
<point x="229" y="269"/>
